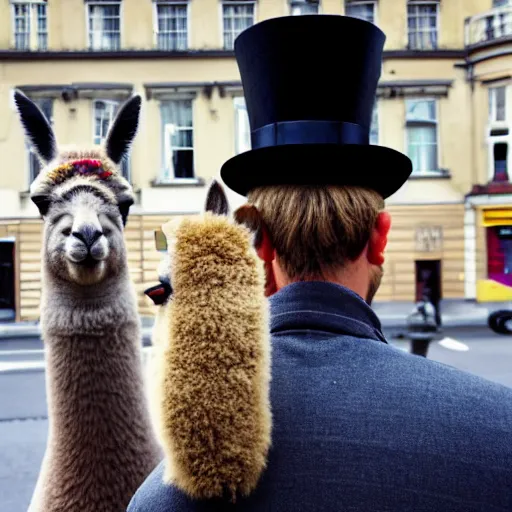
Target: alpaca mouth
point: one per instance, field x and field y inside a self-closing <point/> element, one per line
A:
<point x="88" y="262"/>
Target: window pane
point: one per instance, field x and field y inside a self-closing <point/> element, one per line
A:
<point x="421" y="110"/>
<point x="243" y="130"/>
<point x="500" y="103"/>
<point x="422" y="147"/>
<point x="236" y="18"/>
<point x="178" y="139"/>
<point x="500" y="162"/>
<point x="183" y="164"/>
<point x="362" y="10"/>
<point x="374" y="128"/>
<point x="302" y="8"/>
<point x="422" y="26"/>
<point x="104" y="27"/>
<point x="104" y="113"/>
<point x="172" y="26"/>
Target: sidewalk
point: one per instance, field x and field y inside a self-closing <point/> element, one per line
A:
<point x="455" y="313"/>
<point x="12" y="330"/>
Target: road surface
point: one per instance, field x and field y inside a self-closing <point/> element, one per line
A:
<point x="23" y="423"/>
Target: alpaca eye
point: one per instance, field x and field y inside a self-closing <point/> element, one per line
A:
<point x="66" y="232"/>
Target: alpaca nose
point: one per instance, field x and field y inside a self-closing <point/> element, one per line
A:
<point x="88" y="235"/>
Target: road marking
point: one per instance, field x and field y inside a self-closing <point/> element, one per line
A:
<point x="451" y="344"/>
<point x="21" y="365"/>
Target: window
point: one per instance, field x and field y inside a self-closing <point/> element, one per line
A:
<point x="104" y="112"/>
<point x="178" y="140"/>
<point x="422" y="22"/>
<point x="171" y="25"/>
<point x="300" y="7"/>
<point x="30" y="25"/>
<point x="421" y="121"/>
<point x="501" y="3"/>
<point x="104" y="25"/>
<point x="242" y="128"/>
<point x="236" y="17"/>
<point x="46" y="106"/>
<point x="374" y="128"/>
<point x="499" y="254"/>
<point x="362" y="10"/>
<point x="498" y="104"/>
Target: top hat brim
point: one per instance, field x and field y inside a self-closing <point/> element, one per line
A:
<point x="375" y="167"/>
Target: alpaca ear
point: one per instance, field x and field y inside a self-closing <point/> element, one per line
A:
<point x="124" y="208"/>
<point x="216" y="200"/>
<point x="123" y="130"/>
<point x="37" y="128"/>
<point x="42" y="202"/>
<point x="250" y="217"/>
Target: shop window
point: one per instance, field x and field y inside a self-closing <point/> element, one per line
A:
<point x="499" y="254"/>
<point x="500" y="155"/>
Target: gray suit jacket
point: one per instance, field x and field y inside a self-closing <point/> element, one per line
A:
<point x="361" y="426"/>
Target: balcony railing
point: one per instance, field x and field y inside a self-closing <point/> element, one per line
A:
<point x="489" y="26"/>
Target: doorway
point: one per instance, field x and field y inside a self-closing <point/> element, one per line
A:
<point x="429" y="284"/>
<point x="7" y="281"/>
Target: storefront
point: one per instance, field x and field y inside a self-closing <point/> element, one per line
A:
<point x="488" y="241"/>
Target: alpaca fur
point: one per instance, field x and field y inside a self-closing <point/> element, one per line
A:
<point x="100" y="445"/>
<point x="214" y="376"/>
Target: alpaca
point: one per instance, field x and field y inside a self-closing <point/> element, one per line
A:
<point x="101" y="445"/>
<point x="212" y="364"/>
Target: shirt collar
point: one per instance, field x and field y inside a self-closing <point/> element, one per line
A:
<point x="323" y="306"/>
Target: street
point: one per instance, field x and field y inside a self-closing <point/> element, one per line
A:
<point x="23" y="415"/>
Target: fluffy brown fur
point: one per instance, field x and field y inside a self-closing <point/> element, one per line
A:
<point x="215" y="373"/>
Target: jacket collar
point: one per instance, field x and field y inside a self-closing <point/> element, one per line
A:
<point x="323" y="306"/>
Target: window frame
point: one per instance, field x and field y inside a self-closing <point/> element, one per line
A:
<point x="424" y="122"/>
<point x="377" y="124"/>
<point x="33" y="34"/>
<point x="156" y="33"/>
<point x="227" y="3"/>
<point x="239" y="105"/>
<point x="493" y="124"/>
<point x="364" y="2"/>
<point x="167" y="145"/>
<point x="298" y="3"/>
<point x="419" y="3"/>
<point x="125" y="164"/>
<point x="104" y="3"/>
<point x="492" y="121"/>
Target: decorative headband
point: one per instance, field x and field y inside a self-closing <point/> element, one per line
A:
<point x="85" y="167"/>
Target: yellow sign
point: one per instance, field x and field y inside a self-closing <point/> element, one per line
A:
<point x="497" y="217"/>
<point x="488" y="290"/>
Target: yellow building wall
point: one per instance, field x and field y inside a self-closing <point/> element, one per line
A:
<point x="399" y="268"/>
<point x="67" y="23"/>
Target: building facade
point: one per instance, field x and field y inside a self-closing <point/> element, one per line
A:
<point x="445" y="99"/>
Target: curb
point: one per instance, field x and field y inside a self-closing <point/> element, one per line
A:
<point x="388" y="322"/>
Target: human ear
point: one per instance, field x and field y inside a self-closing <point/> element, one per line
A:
<point x="379" y="239"/>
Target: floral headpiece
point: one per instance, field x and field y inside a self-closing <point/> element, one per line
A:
<point x="85" y="167"/>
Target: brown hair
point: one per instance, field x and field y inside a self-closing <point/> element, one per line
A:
<point x="317" y="229"/>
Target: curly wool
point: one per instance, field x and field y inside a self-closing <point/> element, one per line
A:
<point x="216" y="420"/>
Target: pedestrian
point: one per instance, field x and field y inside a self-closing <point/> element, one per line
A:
<point x="357" y="424"/>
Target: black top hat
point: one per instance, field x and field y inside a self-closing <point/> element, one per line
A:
<point x="310" y="84"/>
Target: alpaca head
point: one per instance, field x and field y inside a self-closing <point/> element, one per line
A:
<point x="217" y="204"/>
<point x="82" y="196"/>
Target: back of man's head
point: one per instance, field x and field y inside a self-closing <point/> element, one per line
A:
<point x="317" y="230"/>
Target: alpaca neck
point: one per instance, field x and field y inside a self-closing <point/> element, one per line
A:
<point x="94" y="373"/>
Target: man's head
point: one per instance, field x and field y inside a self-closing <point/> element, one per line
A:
<point x="326" y="233"/>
